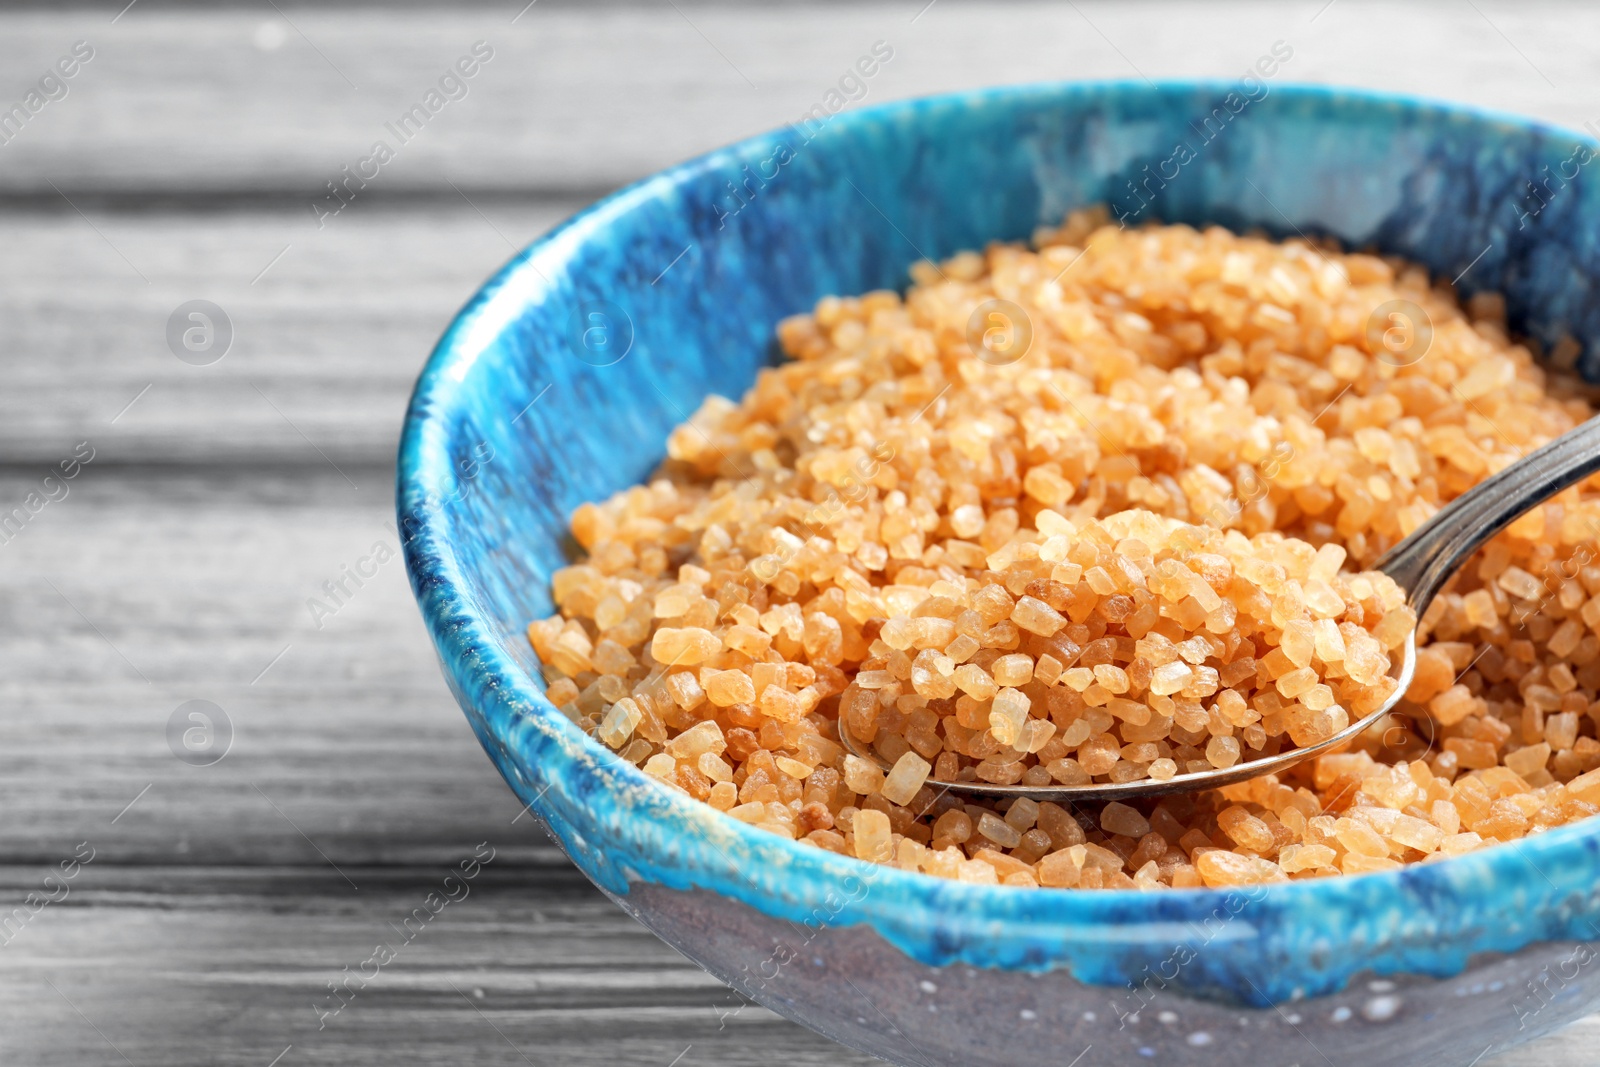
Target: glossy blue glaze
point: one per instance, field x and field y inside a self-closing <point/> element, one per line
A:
<point x="515" y="422"/>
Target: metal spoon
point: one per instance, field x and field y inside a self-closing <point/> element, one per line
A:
<point x="1421" y="564"/>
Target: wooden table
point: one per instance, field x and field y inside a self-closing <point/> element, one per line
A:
<point x="183" y="163"/>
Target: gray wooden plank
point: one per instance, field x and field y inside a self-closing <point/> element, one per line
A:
<point x="141" y="591"/>
<point x="327" y="342"/>
<point x="180" y="967"/>
<point x="206" y="100"/>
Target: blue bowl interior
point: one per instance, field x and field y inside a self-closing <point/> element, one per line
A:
<point x="532" y="404"/>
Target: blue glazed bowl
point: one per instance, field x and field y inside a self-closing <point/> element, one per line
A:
<point x="560" y="380"/>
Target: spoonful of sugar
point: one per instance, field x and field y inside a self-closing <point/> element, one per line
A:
<point x="1149" y="656"/>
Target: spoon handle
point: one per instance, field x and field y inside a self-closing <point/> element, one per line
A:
<point x="1425" y="561"/>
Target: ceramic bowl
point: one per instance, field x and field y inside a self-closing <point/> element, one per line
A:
<point x="559" y="382"/>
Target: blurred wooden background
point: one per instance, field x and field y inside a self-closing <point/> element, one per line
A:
<point x="182" y="163"/>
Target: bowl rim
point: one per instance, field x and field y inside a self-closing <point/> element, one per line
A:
<point x="474" y="663"/>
